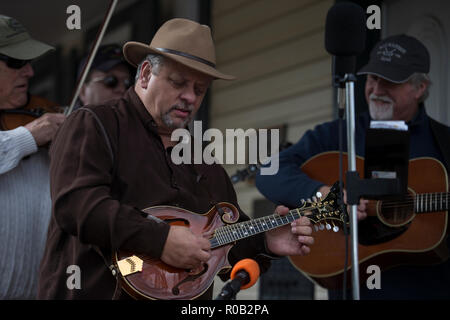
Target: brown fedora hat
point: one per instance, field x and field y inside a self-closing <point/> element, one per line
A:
<point x="182" y="40"/>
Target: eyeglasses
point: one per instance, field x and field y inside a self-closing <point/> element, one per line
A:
<point x="13" y="63"/>
<point x="112" y="81"/>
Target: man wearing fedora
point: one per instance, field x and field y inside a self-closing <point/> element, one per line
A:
<point x="396" y="88"/>
<point x="110" y="161"/>
<point x="24" y="164"/>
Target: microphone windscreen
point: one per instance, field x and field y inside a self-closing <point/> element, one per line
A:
<point x="251" y="267"/>
<point x="345" y="29"/>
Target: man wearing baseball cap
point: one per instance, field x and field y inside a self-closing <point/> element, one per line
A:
<point x="24" y="163"/>
<point x="108" y="78"/>
<point x="111" y="161"/>
<point x="403" y="63"/>
<point x="396" y="87"/>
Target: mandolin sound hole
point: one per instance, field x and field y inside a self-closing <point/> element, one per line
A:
<point x="396" y="213"/>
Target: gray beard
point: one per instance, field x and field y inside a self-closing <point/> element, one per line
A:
<point x="385" y="112"/>
<point x="378" y="113"/>
<point x="169" y="123"/>
<point x="167" y="120"/>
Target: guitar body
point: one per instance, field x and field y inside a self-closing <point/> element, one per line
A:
<point x="161" y="281"/>
<point x="416" y="240"/>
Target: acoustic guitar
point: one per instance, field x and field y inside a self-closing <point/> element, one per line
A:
<point x="143" y="277"/>
<point x="410" y="230"/>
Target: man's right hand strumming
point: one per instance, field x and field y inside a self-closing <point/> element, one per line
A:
<point x="185" y="250"/>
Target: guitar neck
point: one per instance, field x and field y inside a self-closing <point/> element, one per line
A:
<point x="233" y="232"/>
<point x="431" y="202"/>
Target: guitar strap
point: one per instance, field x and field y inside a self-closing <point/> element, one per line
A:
<point x="442" y="135"/>
<point x="107" y="259"/>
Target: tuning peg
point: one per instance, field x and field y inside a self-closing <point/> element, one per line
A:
<point x="321" y="226"/>
<point x="328" y="226"/>
<point x="318" y="195"/>
<point x="316" y="228"/>
<point x="314" y="199"/>
<point x="335" y="227"/>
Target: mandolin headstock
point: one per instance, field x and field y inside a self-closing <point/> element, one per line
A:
<point x="326" y="213"/>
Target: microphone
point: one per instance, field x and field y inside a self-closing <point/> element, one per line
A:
<point x="345" y="37"/>
<point x="244" y="274"/>
<point x="345" y="29"/>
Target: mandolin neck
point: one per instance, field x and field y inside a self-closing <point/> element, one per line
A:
<point x="238" y="231"/>
<point x="317" y="211"/>
<point x="431" y="202"/>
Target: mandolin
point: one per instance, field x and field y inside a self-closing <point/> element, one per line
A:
<point x="407" y="230"/>
<point x="143" y="277"/>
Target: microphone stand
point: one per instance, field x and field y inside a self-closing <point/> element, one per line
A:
<point x="350" y="80"/>
<point x="343" y="81"/>
<point x="232" y="287"/>
<point x="339" y="84"/>
<point x="357" y="187"/>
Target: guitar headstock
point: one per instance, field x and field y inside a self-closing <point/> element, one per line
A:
<point x="328" y="210"/>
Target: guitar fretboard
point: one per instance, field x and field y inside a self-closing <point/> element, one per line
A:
<point x="431" y="202"/>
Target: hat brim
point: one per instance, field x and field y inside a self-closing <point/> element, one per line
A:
<point x="135" y="52"/>
<point x="395" y="75"/>
<point x="26" y="50"/>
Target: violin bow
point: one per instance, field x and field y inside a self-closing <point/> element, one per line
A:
<point x="92" y="54"/>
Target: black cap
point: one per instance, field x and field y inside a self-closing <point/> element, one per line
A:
<point x="397" y="58"/>
<point x="107" y="57"/>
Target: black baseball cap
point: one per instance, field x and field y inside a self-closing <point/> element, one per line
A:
<point x="107" y="57"/>
<point x="397" y="58"/>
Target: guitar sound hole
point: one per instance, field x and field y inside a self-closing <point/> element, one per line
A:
<point x="396" y="212"/>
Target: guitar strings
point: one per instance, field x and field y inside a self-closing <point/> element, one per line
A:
<point x="393" y="204"/>
<point x="435" y="198"/>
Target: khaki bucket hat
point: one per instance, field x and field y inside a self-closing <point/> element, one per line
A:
<point x="15" y="42"/>
<point x="181" y="40"/>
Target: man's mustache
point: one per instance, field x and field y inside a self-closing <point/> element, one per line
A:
<point x="182" y="107"/>
<point x="381" y="98"/>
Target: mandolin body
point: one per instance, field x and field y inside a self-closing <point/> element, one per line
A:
<point x="161" y="281"/>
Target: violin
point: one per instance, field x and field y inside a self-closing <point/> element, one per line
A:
<point x="35" y="108"/>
